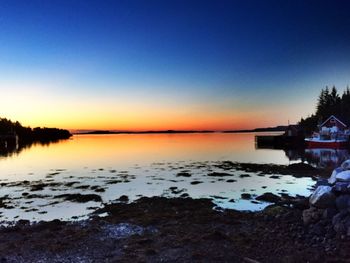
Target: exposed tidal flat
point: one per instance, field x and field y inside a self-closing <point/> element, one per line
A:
<point x="212" y="197"/>
<point x="65" y="195"/>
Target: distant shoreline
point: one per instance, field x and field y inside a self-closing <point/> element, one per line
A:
<point x="104" y="132"/>
<point x="268" y="129"/>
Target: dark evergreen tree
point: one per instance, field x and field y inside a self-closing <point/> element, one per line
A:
<point x="329" y="103"/>
<point x="27" y="134"/>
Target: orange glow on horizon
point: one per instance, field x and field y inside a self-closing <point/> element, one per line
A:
<point x="38" y="107"/>
<point x="218" y="123"/>
<point x="135" y="122"/>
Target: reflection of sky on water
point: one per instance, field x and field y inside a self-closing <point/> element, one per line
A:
<point x="322" y="158"/>
<point x="126" y="150"/>
<point x="149" y="163"/>
<point x="326" y="158"/>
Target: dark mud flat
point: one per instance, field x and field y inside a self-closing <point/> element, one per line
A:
<point x="173" y="230"/>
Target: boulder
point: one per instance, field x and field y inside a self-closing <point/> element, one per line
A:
<point x="333" y="178"/>
<point x="341" y="222"/>
<point x="343" y="176"/>
<point x="341" y="188"/>
<point x="329" y="213"/>
<point x="312" y="215"/>
<point x="343" y="202"/>
<point x="346" y="165"/>
<point x="322" y="197"/>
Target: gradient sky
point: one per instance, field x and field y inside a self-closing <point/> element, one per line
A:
<point x="142" y="65"/>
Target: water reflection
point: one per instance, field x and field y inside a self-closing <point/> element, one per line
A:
<point x="322" y="158"/>
<point x="147" y="148"/>
<point x="9" y="149"/>
<point x="110" y="166"/>
<point x="326" y="158"/>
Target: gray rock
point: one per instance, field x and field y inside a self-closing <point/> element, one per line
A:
<point x="322" y="197"/>
<point x="333" y="178"/>
<point x="343" y="176"/>
<point x="341" y="222"/>
<point x="329" y="213"/>
<point x="322" y="182"/>
<point x="343" y="202"/>
<point x="339" y="228"/>
<point x="346" y="165"/>
<point x="317" y="229"/>
<point x="312" y="215"/>
<point x="339" y="216"/>
<point x="341" y="188"/>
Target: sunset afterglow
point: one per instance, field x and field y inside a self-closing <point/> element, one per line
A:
<point x="164" y="65"/>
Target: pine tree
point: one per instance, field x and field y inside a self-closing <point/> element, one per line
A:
<point x="329" y="103"/>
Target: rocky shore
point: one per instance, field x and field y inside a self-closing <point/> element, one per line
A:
<point x="329" y="212"/>
<point x="175" y="230"/>
<point x="183" y="229"/>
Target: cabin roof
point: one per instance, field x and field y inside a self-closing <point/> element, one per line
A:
<point x="332" y="116"/>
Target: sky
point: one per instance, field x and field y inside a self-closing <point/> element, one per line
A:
<point x="156" y="65"/>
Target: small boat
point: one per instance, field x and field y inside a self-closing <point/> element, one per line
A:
<point x="333" y="134"/>
<point x="324" y="143"/>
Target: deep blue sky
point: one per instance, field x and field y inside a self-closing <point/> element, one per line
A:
<point x="212" y="63"/>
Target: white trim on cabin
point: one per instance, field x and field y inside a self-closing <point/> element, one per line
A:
<point x="332" y="116"/>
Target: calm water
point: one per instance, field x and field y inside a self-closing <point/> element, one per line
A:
<point x="136" y="165"/>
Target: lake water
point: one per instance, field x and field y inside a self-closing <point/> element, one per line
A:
<point x="35" y="182"/>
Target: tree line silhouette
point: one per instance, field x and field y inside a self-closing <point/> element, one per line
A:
<point x="329" y="103"/>
<point x="29" y="135"/>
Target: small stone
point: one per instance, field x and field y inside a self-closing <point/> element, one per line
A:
<point x="246" y="196"/>
<point x="183" y="174"/>
<point x="269" y="197"/>
<point x="231" y="180"/>
<point x="346" y="165"/>
<point x="312" y="215"/>
<point x="123" y="198"/>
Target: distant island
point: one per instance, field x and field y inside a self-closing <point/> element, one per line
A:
<point x="140" y="132"/>
<point x="268" y="129"/>
<point x="280" y="128"/>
